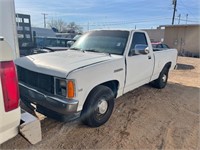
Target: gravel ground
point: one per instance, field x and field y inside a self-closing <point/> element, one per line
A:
<point x="145" y="118"/>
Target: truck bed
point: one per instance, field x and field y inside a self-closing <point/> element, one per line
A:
<point x="161" y="57"/>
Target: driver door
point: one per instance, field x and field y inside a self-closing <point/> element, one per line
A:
<point x="139" y="66"/>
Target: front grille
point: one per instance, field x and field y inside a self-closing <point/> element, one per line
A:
<point x="40" y="81"/>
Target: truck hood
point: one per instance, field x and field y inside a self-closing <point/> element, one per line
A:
<point x="59" y="64"/>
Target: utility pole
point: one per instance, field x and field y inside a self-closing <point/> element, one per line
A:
<point x="179" y="18"/>
<point x="186" y="18"/>
<point x="174" y="12"/>
<point x="88" y="26"/>
<point x="44" y="19"/>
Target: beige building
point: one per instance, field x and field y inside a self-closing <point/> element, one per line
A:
<point x="185" y="38"/>
<point x="156" y="35"/>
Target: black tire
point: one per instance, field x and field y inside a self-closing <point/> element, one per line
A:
<point x="161" y="82"/>
<point x="98" y="106"/>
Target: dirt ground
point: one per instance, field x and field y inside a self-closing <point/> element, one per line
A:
<point x="146" y="118"/>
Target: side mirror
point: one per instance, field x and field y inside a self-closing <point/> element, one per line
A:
<point x="1" y="38"/>
<point x="70" y="43"/>
<point x="141" y="49"/>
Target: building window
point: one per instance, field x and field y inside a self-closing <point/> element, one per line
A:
<point x="28" y="36"/>
<point x="18" y="20"/>
<point x="26" y="20"/>
<point x="21" y="36"/>
<point x="19" y="28"/>
<point x="27" y="28"/>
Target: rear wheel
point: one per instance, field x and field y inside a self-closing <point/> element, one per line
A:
<point x="161" y="82"/>
<point x="98" y="107"/>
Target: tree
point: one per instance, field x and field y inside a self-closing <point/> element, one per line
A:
<point x="62" y="26"/>
<point x="72" y="26"/>
<point x="59" y="24"/>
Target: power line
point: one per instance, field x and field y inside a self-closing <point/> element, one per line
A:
<point x="187" y="20"/>
<point x="130" y="21"/>
<point x="186" y="8"/>
<point x="127" y="23"/>
<point x="123" y="22"/>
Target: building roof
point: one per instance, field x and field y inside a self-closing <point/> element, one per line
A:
<point x="180" y="25"/>
<point x="44" y="32"/>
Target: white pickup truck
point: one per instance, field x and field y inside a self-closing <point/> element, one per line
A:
<point x="85" y="80"/>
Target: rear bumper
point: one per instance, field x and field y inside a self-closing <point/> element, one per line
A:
<point x="8" y="134"/>
<point x="47" y="103"/>
<point x="9" y="123"/>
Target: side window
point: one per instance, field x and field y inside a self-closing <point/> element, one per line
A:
<point x="138" y="39"/>
<point x="165" y="46"/>
<point x="159" y="46"/>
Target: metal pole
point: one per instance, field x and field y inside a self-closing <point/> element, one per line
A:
<point x="88" y="26"/>
<point x="44" y="19"/>
<point x="186" y="18"/>
<point x="179" y="18"/>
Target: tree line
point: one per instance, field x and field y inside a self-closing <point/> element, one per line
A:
<point x="62" y="27"/>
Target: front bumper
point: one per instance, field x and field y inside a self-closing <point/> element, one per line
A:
<point x="50" y="102"/>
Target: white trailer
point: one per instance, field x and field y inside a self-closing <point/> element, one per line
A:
<point x="10" y="112"/>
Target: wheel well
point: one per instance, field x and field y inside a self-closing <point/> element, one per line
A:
<point x="113" y="85"/>
<point x="168" y="65"/>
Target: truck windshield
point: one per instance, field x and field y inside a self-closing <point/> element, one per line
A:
<point x="112" y="42"/>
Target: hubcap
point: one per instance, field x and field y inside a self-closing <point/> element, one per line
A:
<point x="164" y="78"/>
<point x="102" y="106"/>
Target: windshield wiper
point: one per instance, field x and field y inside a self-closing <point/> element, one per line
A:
<point x="75" y="48"/>
<point x="93" y="50"/>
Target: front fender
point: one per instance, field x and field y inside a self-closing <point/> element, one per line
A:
<point x="91" y="76"/>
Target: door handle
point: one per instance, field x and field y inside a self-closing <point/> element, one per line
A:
<point x="149" y="57"/>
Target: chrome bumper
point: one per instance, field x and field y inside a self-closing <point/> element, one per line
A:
<point x="52" y="102"/>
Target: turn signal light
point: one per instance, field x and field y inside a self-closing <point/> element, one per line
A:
<point x="70" y="89"/>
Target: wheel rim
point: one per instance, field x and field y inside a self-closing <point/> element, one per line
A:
<point x="102" y="106"/>
<point x="164" y="78"/>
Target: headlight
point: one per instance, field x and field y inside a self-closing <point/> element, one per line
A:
<point x="65" y="88"/>
<point x="61" y="87"/>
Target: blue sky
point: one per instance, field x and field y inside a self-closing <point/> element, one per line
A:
<point x="110" y="13"/>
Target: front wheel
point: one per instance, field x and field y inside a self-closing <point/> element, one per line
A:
<point x="161" y="82"/>
<point x="98" y="107"/>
